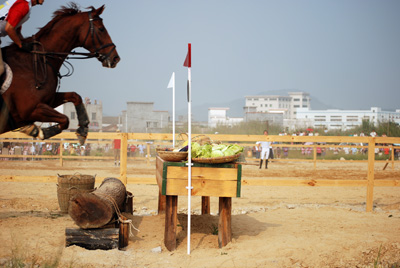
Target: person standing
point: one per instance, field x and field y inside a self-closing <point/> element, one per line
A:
<point x="117" y="150"/>
<point x="265" y="149"/>
<point x="11" y="20"/>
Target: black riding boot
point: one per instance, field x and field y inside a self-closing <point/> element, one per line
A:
<point x="266" y="164"/>
<point x="261" y="161"/>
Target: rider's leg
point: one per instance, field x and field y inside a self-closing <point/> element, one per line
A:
<point x="1" y="62"/>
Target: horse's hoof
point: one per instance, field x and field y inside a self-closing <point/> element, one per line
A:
<point x="81" y="139"/>
<point x="40" y="134"/>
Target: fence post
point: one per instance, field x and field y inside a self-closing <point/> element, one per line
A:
<point x="123" y="157"/>
<point x="61" y="153"/>
<point x="392" y="155"/>
<point x="148" y="154"/>
<point x="370" y="178"/>
<point x="315" y="156"/>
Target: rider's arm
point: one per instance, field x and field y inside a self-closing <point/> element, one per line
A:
<point x="14" y="34"/>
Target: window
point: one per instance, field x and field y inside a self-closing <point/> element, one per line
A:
<point x="352" y="118"/>
<point x="93" y="116"/>
<point x="72" y="115"/>
<point x="297" y="99"/>
<point x="148" y="124"/>
<point x="261" y="105"/>
<point x="305" y="106"/>
<point x="270" y="105"/>
<point x="305" y="99"/>
<point x="335" y="118"/>
<point x="296" y="106"/>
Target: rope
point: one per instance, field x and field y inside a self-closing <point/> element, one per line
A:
<point x="119" y="214"/>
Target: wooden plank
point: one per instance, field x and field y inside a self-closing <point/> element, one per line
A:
<point x="161" y="202"/>
<point x="202" y="187"/>
<point x="224" y="223"/>
<point x="370" y="177"/>
<point x="171" y="219"/>
<point x="203" y="173"/>
<point x="205" y="205"/>
<point x="105" y="239"/>
<point x="159" y="171"/>
<point x="387" y="183"/>
<point x="303" y="182"/>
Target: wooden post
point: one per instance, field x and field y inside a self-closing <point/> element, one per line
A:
<point x="370" y="177"/>
<point x="315" y="156"/>
<point x="148" y="154"/>
<point x="171" y="219"/>
<point x="205" y="205"/>
<point x="123" y="157"/>
<point x="392" y="155"/>
<point x="128" y="204"/>
<point x="224" y="224"/>
<point x="61" y="153"/>
<point x="123" y="233"/>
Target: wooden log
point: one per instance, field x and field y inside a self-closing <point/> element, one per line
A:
<point x="171" y="219"/>
<point x="92" y="238"/>
<point x="96" y="209"/>
<point x="224" y="224"/>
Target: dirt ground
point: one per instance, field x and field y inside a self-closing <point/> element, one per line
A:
<point x="271" y="226"/>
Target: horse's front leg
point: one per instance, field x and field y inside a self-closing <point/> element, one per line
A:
<point x="83" y="118"/>
<point x="45" y="113"/>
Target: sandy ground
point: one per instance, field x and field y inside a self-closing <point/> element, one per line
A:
<point x="271" y="226"/>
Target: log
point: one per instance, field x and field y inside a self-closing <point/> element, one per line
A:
<point x="96" y="209"/>
<point x="92" y="238"/>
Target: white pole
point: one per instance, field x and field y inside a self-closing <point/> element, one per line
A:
<point x="173" y="110"/>
<point x="189" y="155"/>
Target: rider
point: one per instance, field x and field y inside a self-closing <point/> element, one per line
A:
<point x="11" y="21"/>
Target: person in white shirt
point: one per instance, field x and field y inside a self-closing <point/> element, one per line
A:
<point x="265" y="147"/>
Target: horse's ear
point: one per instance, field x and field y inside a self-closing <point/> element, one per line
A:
<point x="99" y="10"/>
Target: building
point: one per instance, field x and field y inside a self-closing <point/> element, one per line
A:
<point x="140" y="117"/>
<point x="285" y="105"/>
<point x="218" y="116"/>
<point x="345" y="119"/>
<point x="94" y="111"/>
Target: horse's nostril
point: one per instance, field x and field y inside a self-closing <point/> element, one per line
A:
<point x="116" y="59"/>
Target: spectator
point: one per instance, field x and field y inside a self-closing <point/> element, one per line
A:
<point x="117" y="150"/>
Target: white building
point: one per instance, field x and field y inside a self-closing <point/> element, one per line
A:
<point x="345" y="119"/>
<point x="218" y="116"/>
<point x="286" y="105"/>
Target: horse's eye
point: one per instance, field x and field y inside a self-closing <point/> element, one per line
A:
<point x="101" y="29"/>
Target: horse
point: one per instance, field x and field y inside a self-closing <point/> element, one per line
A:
<point x="32" y="95"/>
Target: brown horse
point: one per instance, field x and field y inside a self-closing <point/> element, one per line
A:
<point x="32" y="95"/>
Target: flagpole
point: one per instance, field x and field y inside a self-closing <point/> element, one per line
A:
<point x="171" y="84"/>
<point x="188" y="63"/>
<point x="173" y="110"/>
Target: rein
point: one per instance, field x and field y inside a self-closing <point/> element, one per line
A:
<point x="85" y="55"/>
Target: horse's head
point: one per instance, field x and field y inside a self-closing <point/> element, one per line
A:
<point x="98" y="41"/>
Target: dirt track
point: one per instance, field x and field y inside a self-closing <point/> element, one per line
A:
<point x="271" y="226"/>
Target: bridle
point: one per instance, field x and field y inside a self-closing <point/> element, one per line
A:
<point x="85" y="55"/>
<point x="95" y="37"/>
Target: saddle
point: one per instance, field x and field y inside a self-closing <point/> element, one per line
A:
<point x="6" y="78"/>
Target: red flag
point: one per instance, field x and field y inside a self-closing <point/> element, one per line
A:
<point x="188" y="60"/>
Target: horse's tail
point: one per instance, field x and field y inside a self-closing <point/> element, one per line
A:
<point x="5" y="117"/>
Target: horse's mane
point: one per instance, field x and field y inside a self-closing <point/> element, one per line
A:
<point x="65" y="11"/>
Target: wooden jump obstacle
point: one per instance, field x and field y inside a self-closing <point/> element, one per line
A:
<point x="221" y="180"/>
<point x="99" y="216"/>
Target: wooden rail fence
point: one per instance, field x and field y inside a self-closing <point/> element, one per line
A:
<point x="161" y="139"/>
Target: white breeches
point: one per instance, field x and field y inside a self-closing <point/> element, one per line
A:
<point x="265" y="153"/>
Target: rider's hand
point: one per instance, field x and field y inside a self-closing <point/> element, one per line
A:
<point x="27" y="46"/>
